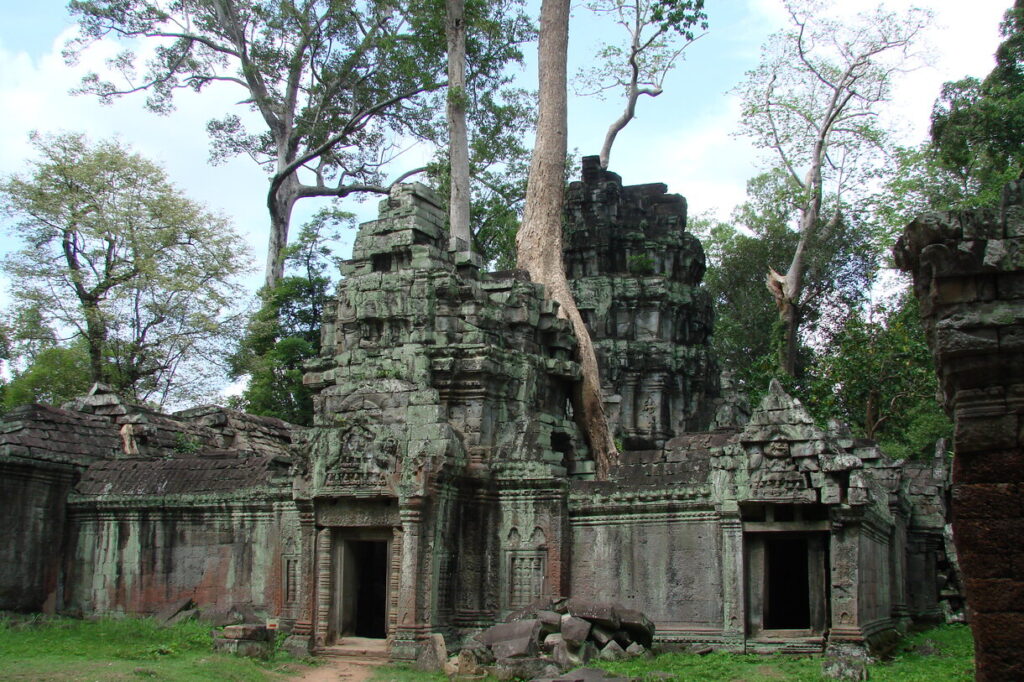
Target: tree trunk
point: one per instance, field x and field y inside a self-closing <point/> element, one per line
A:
<point x="458" y="154"/>
<point x="280" y="205"/>
<point x="96" y="337"/>
<point x="786" y="288"/>
<point x="539" y="241"/>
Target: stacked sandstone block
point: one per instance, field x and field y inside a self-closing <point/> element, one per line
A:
<point x="968" y="270"/>
<point x="567" y="633"/>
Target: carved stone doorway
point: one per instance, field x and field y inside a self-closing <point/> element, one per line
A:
<point x="787" y="584"/>
<point x="360" y="571"/>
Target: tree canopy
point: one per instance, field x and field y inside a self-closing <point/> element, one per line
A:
<point x="115" y="257"/>
<point x="336" y="86"/>
<point x="811" y="104"/>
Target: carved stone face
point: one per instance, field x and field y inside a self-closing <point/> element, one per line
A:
<point x="777" y="449"/>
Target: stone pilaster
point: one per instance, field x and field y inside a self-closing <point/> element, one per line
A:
<point x="968" y="270"/>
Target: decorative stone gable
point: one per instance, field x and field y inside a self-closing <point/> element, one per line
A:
<point x="636" y="273"/>
<point x="782" y="457"/>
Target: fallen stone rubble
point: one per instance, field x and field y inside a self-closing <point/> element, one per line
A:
<point x="552" y="636"/>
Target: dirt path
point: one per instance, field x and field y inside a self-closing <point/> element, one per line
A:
<point x="337" y="669"/>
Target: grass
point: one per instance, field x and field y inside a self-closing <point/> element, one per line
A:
<point x="38" y="648"/>
<point x="943" y="654"/>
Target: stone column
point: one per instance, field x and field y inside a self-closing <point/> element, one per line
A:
<point x="410" y="626"/>
<point x="968" y="270"/>
<point x="845" y="581"/>
<point x="733" y="612"/>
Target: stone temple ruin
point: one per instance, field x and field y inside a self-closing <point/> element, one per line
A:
<point x="444" y="484"/>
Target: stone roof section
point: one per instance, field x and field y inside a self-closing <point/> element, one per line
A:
<point x="51" y="434"/>
<point x="223" y="472"/>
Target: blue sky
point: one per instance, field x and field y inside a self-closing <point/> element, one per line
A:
<point x="683" y="138"/>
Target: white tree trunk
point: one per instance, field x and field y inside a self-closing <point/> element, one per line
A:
<point x="458" y="206"/>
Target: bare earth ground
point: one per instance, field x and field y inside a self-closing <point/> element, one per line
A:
<point x="340" y="669"/>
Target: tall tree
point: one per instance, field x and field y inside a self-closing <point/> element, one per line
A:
<point x="658" y="31"/>
<point x="285" y="332"/>
<point x="115" y="255"/>
<point x="335" y="85"/>
<point x="539" y="241"/>
<point x="978" y="126"/>
<point x="841" y="265"/>
<point x="812" y="103"/>
<point x="458" y="136"/>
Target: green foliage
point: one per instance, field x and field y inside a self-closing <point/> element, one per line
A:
<point x="121" y="649"/>
<point x="841" y="260"/>
<point x="339" y="88"/>
<point x="640" y="264"/>
<point x="285" y="332"/>
<point x="878" y="376"/>
<point x="115" y="256"/>
<point x="55" y="375"/>
<point x="978" y="126"/>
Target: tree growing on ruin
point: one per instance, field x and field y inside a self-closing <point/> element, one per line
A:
<point x="658" y="33"/>
<point x="335" y="87"/>
<point x="115" y="257"/>
<point x="539" y="241"/>
<point x="812" y="104"/>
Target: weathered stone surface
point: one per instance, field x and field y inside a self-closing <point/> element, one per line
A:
<point x="433" y="654"/>
<point x="600" y="613"/>
<point x="257" y="633"/>
<point x="525" y="669"/>
<point x="297" y="646"/>
<point x="575" y="630"/>
<point x="612" y="651"/>
<point x="244" y="647"/>
<point x="967" y="272"/>
<point x="639" y="626"/>
<point x="845" y="662"/>
<point x="520" y="629"/>
<point x="514" y="648"/>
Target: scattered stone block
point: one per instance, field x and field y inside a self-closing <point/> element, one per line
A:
<point x="596" y="612"/>
<point x="523" y="647"/>
<point x="297" y="646"/>
<point x="433" y="654"/>
<point x="612" y="651"/>
<point x="636" y="649"/>
<point x="575" y="630"/>
<point x="848" y="662"/>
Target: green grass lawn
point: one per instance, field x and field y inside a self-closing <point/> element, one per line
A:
<point x="132" y="649"/>
<point x="123" y="649"/>
<point x="943" y="654"/>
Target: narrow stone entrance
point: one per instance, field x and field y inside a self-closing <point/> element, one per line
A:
<point x="787" y="574"/>
<point x="787" y="589"/>
<point x="359" y="597"/>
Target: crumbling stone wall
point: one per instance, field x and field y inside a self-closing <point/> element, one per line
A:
<point x="968" y="270"/>
<point x="636" y="272"/>
<point x="43" y="452"/>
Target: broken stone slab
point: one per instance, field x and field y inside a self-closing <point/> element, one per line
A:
<point x="525" y="669"/>
<point x="639" y="626"/>
<point x="243" y="647"/>
<point x="565" y="658"/>
<point x="612" y="651"/>
<point x="601" y="613"/>
<point x="297" y="646"/>
<point x="601" y="636"/>
<point x="432" y="654"/>
<point x="256" y="633"/>
<point x="522" y="647"/>
<point x="182" y="617"/>
<point x="164" y="615"/>
<point x="520" y="629"/>
<point x="551" y="621"/>
<point x="575" y="630"/>
<point x="637" y="649"/>
<point x="551" y="641"/>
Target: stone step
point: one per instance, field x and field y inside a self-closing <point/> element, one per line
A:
<point x="357" y="649"/>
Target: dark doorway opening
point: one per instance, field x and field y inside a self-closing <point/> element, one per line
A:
<point x="370" y="562"/>
<point x="788" y="586"/>
<point x="359" y="600"/>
